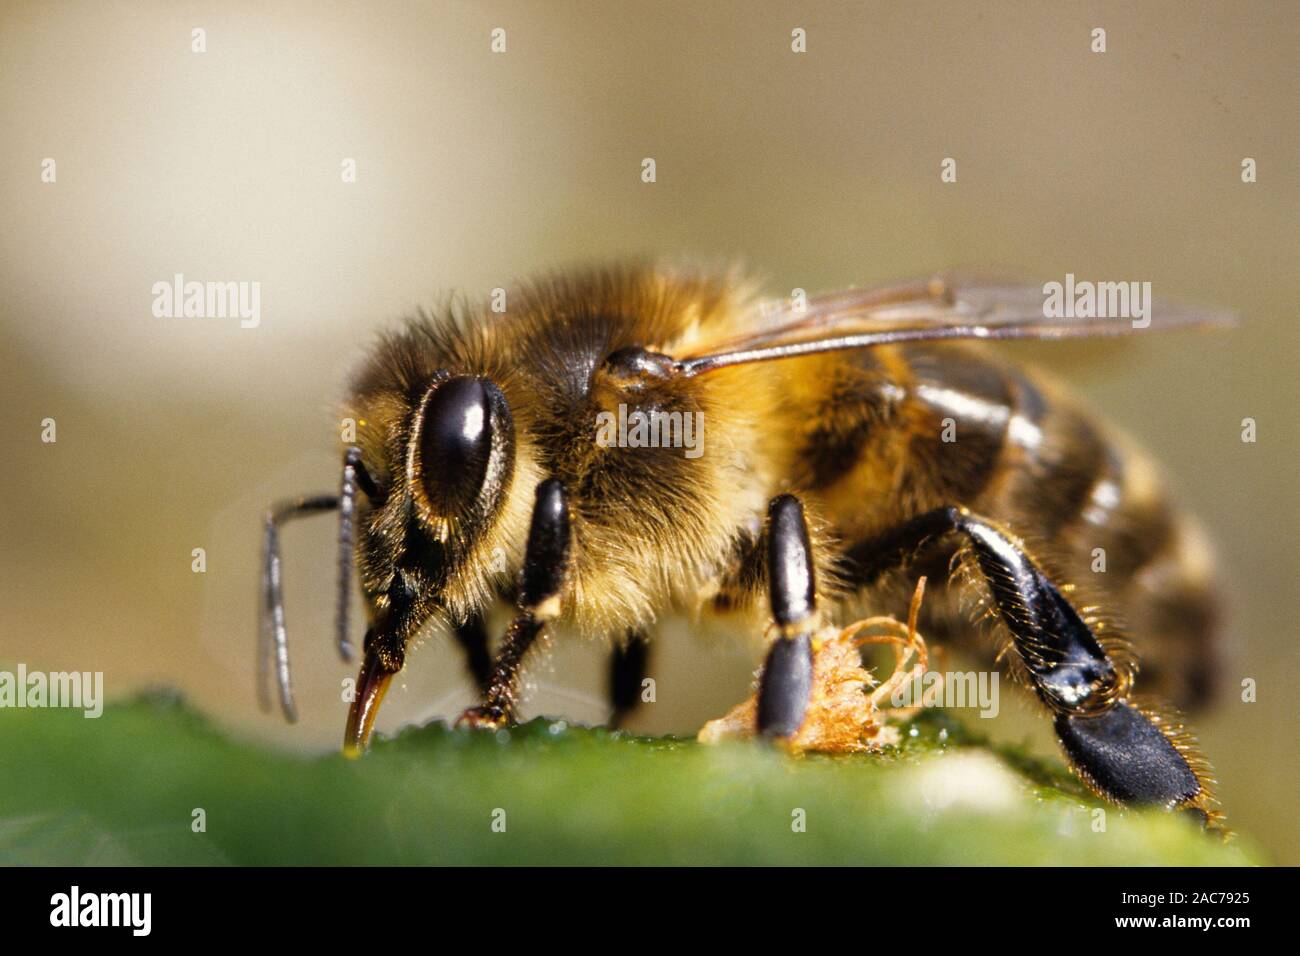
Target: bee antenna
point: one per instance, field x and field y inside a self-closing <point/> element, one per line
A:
<point x="353" y="474"/>
<point x="274" y="639"/>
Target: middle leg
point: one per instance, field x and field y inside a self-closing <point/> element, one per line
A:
<point x="786" y="683"/>
<point x="627" y="671"/>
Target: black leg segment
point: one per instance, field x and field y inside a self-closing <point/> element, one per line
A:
<point x="786" y="684"/>
<point x="1124" y="755"/>
<point x="473" y="639"/>
<point x="627" y="669"/>
<point x="792" y="588"/>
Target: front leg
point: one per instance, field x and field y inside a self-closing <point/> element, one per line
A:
<point x="473" y="640"/>
<point x="546" y="564"/>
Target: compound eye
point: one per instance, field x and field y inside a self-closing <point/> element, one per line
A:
<point x="464" y="419"/>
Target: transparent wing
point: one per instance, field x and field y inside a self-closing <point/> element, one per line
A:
<point x="942" y="308"/>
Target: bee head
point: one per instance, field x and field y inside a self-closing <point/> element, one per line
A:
<point x="424" y="535"/>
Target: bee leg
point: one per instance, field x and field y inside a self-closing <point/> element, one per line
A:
<point x="473" y="639"/>
<point x="273" y="640"/>
<point x="786" y="683"/>
<point x="1122" y="752"/>
<point x="546" y="563"/>
<point x="627" y="669"/>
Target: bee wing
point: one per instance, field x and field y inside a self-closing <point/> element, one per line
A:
<point x="938" y="309"/>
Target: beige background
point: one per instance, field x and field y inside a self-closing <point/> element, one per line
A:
<point x="819" y="171"/>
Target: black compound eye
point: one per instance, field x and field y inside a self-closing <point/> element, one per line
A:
<point x="461" y="420"/>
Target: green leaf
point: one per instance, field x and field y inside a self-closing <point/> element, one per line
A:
<point x="123" y="789"/>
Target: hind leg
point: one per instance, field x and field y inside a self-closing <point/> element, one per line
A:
<point x="1121" y="751"/>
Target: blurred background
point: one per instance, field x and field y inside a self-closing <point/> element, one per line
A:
<point x="817" y="170"/>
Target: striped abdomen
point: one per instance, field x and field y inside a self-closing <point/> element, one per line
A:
<point x="894" y="432"/>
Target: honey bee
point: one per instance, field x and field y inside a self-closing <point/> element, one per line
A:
<point x="852" y="439"/>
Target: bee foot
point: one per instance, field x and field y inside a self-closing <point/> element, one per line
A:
<point x="483" y="718"/>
